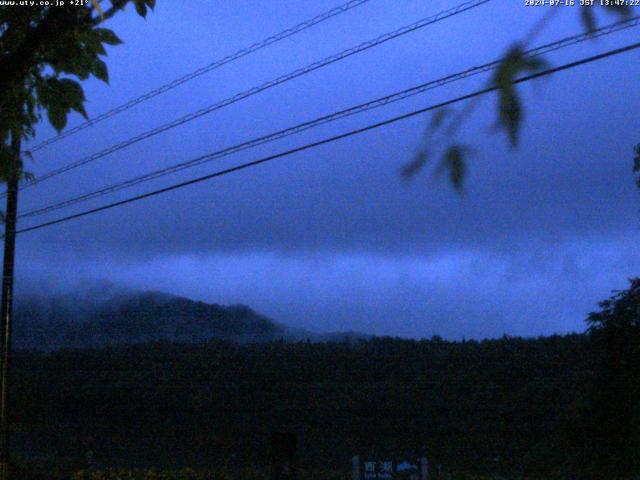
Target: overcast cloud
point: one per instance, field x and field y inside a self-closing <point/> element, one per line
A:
<point x="333" y="238"/>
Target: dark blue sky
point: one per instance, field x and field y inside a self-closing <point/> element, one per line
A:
<point x="333" y="238"/>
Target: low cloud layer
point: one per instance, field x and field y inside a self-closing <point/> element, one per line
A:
<point x="333" y="238"/>
<point x="537" y="289"/>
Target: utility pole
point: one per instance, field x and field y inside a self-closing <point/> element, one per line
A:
<point x="6" y="310"/>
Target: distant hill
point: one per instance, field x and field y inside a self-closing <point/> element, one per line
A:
<point x="110" y="316"/>
<point x="124" y="317"/>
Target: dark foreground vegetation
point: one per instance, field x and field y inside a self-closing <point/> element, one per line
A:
<point x="552" y="407"/>
<point x="509" y="405"/>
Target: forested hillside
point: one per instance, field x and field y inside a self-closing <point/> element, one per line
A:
<point x="109" y="315"/>
<point x="93" y="319"/>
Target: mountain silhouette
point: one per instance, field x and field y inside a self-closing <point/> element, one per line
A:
<point x="104" y="315"/>
<point x="89" y="319"/>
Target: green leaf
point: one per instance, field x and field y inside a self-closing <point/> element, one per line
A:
<point x="141" y="7"/>
<point x="410" y="169"/>
<point x="82" y="65"/>
<point x="587" y="14"/>
<point x="509" y="108"/>
<point x="439" y="117"/>
<point x="73" y="95"/>
<point x="453" y="160"/>
<point x="510" y="113"/>
<point x="58" y="98"/>
<point x="93" y="43"/>
<point x="588" y="18"/>
<point x="107" y="36"/>
<point x="100" y="71"/>
<point x="57" y="116"/>
<point x="74" y="50"/>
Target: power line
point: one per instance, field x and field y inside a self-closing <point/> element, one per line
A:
<point x="386" y="100"/>
<point x="272" y="83"/>
<point x="351" y="133"/>
<point x="206" y="69"/>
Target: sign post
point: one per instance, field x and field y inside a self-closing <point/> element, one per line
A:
<point x="389" y="469"/>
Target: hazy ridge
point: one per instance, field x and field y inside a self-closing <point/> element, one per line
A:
<point x="109" y="316"/>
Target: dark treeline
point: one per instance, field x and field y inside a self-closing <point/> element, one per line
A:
<point x="507" y="405"/>
<point x="551" y="407"/>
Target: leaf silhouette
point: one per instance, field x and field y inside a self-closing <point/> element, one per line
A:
<point x="410" y="169"/>
<point x="59" y="97"/>
<point x="438" y="117"/>
<point x="587" y="14"/>
<point x="588" y="18"/>
<point x="509" y="105"/>
<point x="453" y="161"/>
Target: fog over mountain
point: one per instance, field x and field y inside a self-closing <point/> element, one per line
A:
<point x="334" y="238"/>
<point x="103" y="314"/>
